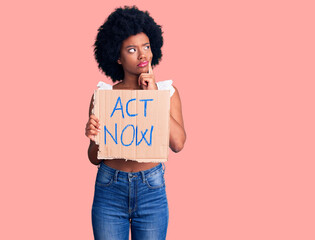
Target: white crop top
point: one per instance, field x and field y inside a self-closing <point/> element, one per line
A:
<point x="162" y="85"/>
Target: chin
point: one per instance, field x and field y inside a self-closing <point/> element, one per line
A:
<point x="144" y="70"/>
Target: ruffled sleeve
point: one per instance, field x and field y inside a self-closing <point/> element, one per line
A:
<point x="166" y="85"/>
<point x="104" y="86"/>
<point x="162" y="85"/>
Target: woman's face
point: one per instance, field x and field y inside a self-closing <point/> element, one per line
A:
<point x="135" y="54"/>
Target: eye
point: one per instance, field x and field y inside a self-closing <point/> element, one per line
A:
<point x="130" y="50"/>
<point x="147" y="47"/>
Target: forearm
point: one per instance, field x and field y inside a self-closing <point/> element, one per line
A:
<point x="92" y="153"/>
<point x="177" y="135"/>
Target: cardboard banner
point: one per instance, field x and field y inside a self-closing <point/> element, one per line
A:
<point x="134" y="124"/>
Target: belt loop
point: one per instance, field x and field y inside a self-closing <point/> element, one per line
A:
<point x="116" y="174"/>
<point x="143" y="176"/>
<point x="163" y="166"/>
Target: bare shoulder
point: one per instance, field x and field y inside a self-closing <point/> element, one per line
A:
<point x="175" y="98"/>
<point x="176" y="107"/>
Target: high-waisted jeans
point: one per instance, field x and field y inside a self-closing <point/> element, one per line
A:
<point x="135" y="200"/>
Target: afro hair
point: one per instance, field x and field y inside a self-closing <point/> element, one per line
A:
<point x="121" y="24"/>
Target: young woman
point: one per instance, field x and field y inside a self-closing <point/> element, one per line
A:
<point x="129" y="193"/>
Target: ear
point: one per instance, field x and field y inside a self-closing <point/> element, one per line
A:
<point x="118" y="61"/>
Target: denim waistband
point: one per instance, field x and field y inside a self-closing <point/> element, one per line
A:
<point x="128" y="175"/>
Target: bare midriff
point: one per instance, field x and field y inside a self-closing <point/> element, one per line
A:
<point x="129" y="165"/>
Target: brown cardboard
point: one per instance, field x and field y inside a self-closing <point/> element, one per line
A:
<point x="116" y="109"/>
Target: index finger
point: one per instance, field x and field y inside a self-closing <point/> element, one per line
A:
<point x="150" y="68"/>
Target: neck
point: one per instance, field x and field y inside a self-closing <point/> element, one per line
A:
<point x="130" y="81"/>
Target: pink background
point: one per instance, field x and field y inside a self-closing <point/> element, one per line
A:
<point x="245" y="73"/>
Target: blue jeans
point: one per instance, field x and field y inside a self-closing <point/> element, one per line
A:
<point x="135" y="200"/>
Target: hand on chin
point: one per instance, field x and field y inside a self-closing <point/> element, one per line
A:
<point x="146" y="80"/>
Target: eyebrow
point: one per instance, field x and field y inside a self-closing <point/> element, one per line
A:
<point x="135" y="45"/>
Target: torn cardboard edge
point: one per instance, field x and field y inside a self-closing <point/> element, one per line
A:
<point x="158" y="111"/>
<point x="136" y="160"/>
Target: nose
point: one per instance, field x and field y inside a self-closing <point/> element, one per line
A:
<point x="141" y="55"/>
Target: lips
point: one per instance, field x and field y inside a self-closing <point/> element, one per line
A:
<point x="143" y="64"/>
